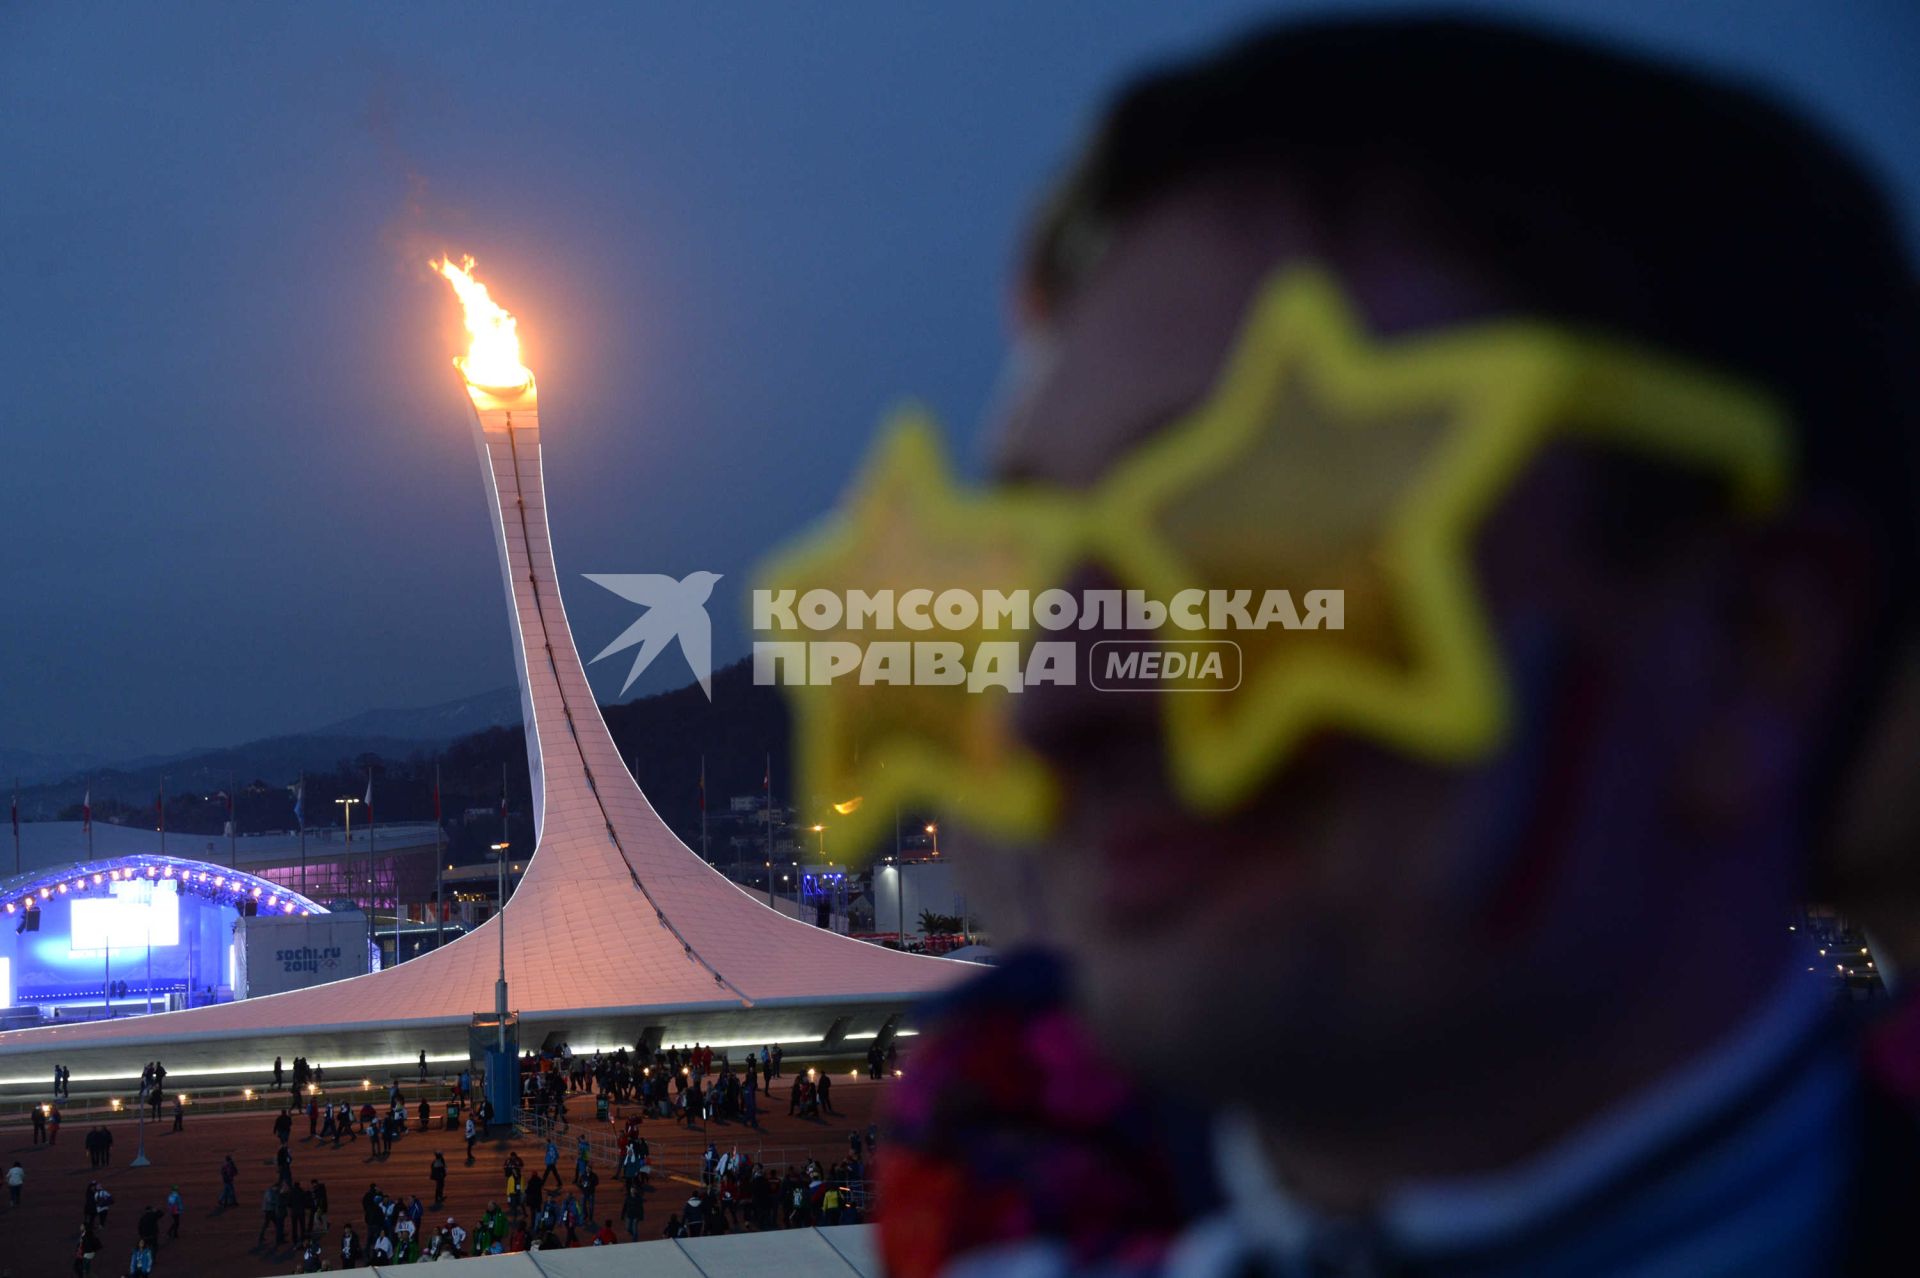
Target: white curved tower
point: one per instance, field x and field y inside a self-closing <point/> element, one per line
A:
<point x="616" y="929"/>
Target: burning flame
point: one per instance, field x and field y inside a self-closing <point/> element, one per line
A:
<point x="493" y="356"/>
<point x="850" y="806"/>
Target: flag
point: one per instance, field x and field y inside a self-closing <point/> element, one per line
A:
<point x="300" y="801"/>
<point x="503" y="800"/>
<point x="86" y="810"/>
<point x="368" y="801"/>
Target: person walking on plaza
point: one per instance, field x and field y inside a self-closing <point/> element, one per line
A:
<point x="317" y="1193"/>
<point x="283" y="1127"/>
<point x="299" y="1211"/>
<point x="39" y="1125"/>
<point x="85" y="1250"/>
<point x="633" y="1209"/>
<point x="825" y="1092"/>
<point x="423" y="1064"/>
<point x="179" y="1112"/>
<point x="473" y="1133"/>
<point x="279" y="1075"/>
<point x="147" y="1228"/>
<point x="437" y="1173"/>
<point x="270" y="1217"/>
<point x="16" y="1180"/>
<point x="535" y="1189"/>
<point x="350" y="1253"/>
<point x="141" y="1261"/>
<point x="176" y="1207"/>
<point x="229" y="1173"/>
<point x="371" y="1209"/>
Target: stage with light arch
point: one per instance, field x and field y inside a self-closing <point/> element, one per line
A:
<point x="144" y="933"/>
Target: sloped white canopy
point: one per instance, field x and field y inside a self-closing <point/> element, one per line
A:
<point x="840" y="1251"/>
<point x="616" y="924"/>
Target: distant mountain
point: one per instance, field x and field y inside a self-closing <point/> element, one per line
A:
<point x="277" y="761"/>
<point x="437" y="723"/>
<point x="30" y="767"/>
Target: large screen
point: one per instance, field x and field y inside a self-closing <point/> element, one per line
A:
<point x="136" y="915"/>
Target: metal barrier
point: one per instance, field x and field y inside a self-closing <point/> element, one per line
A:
<point x="665" y="1157"/>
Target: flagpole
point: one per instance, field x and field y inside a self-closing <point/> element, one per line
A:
<point x="703" y="811"/>
<point x="766" y="785"/>
<point x="16" y="825"/>
<point x="439" y="863"/>
<point x="373" y="937"/>
<point x="163" y="814"/>
<point x="86" y="812"/>
<point x="300" y="818"/>
<point x="233" y="819"/>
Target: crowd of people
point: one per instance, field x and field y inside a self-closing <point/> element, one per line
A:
<point x="693" y="1086"/>
<point x="559" y="1199"/>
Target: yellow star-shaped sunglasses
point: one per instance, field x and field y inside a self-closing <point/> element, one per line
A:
<point x="1322" y="458"/>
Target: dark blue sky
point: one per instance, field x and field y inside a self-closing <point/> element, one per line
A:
<point x="239" y="494"/>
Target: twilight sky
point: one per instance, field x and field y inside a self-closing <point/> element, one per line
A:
<point x="239" y="495"/>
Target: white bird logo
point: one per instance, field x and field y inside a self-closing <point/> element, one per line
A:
<point x="674" y="610"/>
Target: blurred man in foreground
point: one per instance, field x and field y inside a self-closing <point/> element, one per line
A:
<point x="1538" y="1011"/>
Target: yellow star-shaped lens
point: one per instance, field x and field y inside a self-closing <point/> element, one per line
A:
<point x="1323" y="460"/>
<point x="1326" y="461"/>
<point x="906" y="527"/>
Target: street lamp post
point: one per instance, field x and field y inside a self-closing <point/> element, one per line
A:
<point x="500" y="916"/>
<point x="934" y="830"/>
<point x="821" y="830"/>
<point x="140" y="1158"/>
<point x="900" y="897"/>
<point x="346" y="804"/>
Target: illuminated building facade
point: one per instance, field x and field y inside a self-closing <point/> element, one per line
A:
<point x="133" y="934"/>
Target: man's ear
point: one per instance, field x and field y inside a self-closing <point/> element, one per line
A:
<point x="1810" y="598"/>
<point x="1870" y="864"/>
<point x="1796" y="624"/>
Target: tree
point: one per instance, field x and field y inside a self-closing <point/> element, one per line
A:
<point x="940" y="924"/>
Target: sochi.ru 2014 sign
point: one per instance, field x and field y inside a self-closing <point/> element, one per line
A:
<point x="309" y="958"/>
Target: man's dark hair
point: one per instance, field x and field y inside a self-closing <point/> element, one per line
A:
<point x="1603" y="188"/>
